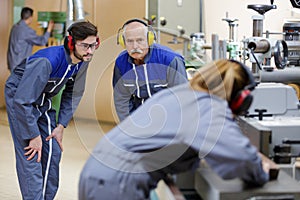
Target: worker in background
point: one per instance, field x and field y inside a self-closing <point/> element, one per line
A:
<point x="172" y="131"/>
<point x="36" y="134"/>
<point x="144" y="68"/>
<point x="22" y="38"/>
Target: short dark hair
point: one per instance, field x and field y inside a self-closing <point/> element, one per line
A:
<point x="82" y="29"/>
<point x="26" y="13"/>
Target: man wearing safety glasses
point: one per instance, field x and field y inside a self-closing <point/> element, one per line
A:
<point x="36" y="133"/>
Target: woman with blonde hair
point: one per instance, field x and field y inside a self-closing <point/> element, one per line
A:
<point x="172" y="132"/>
<point x="229" y="80"/>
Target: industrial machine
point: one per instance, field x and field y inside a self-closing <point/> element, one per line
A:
<point x="197" y="52"/>
<point x="273" y="120"/>
<point x="272" y="125"/>
<point x="291" y="30"/>
<point x="262" y="49"/>
<point x="196" y="56"/>
<point x="59" y="19"/>
<point x="211" y="187"/>
<point x="233" y="45"/>
<point x="62" y="20"/>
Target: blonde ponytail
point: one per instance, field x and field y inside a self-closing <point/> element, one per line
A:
<point x="218" y="78"/>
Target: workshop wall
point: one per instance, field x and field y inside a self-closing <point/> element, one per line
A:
<point x="6" y="20"/>
<point x="97" y="102"/>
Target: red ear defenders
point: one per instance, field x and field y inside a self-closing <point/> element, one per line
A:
<point x="71" y="43"/>
<point x="241" y="101"/>
<point x="151" y="36"/>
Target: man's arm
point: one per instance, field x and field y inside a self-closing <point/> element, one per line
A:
<point x="72" y="95"/>
<point x="177" y="72"/>
<point x="39" y="40"/>
<point x="121" y="95"/>
<point x="231" y="155"/>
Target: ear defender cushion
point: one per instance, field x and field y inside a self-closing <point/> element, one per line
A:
<point x="151" y="37"/>
<point x="121" y="40"/>
<point x="241" y="103"/>
<point x="98" y="42"/>
<point x="70" y="43"/>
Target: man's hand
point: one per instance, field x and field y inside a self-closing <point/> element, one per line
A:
<point x="57" y="133"/>
<point x="35" y="146"/>
<point x="50" y="26"/>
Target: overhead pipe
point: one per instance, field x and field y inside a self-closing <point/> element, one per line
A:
<point x="70" y="15"/>
<point x="75" y="11"/>
<point x="78" y="10"/>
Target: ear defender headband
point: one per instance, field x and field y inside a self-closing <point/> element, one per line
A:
<point x="69" y="42"/>
<point x="151" y="36"/>
<point x="241" y="102"/>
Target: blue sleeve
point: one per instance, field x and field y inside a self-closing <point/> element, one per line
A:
<point x="176" y="72"/>
<point x="30" y="88"/>
<point x="121" y="95"/>
<point x="39" y="40"/>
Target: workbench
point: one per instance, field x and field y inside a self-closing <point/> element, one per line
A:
<point x="210" y="186"/>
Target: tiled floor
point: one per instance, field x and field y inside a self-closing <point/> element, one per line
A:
<point x="79" y="139"/>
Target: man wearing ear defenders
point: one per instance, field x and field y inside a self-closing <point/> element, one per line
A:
<point x="29" y="90"/>
<point x="175" y="129"/>
<point x="144" y="68"/>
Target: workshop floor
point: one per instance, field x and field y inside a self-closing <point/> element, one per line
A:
<point x="79" y="139"/>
